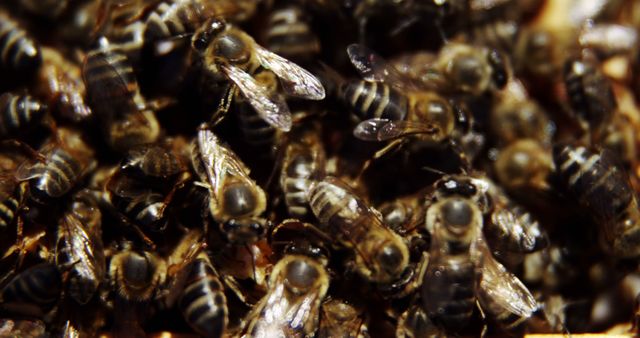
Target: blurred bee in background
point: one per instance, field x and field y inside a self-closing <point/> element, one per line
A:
<point x="60" y="84"/>
<point x="231" y="54"/>
<point x="33" y="292"/>
<point x="291" y="307"/>
<point x="461" y="266"/>
<point x="391" y="106"/>
<point x="20" y="52"/>
<point x="79" y="253"/>
<point x="235" y="201"/>
<point x="340" y="319"/>
<point x="289" y="33"/>
<point x="19" y="114"/>
<point x="303" y="163"/>
<point x="67" y="159"/>
<point x="603" y="189"/>
<point x="524" y="165"/>
<point x="114" y="97"/>
<point x="380" y="255"/>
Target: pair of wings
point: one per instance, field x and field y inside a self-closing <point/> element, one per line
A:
<point x="272" y="107"/>
<point x="373" y="68"/>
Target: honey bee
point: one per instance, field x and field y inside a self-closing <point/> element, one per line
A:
<point x="393" y="106"/>
<point x="341" y="320"/>
<point x="203" y="303"/>
<point x="603" y="189"/>
<point x="20" y="52"/>
<point x="235" y="200"/>
<point x="79" y="253"/>
<point x="380" y="254"/>
<point x="32" y="292"/>
<point x="19" y="113"/>
<point x="524" y="164"/>
<point x="303" y="163"/>
<point x="256" y="131"/>
<point x="590" y="95"/>
<point x="291" y="307"/>
<point x="231" y="54"/>
<point x="289" y="34"/>
<point x="114" y="96"/>
<point x="12" y="193"/>
<point x="67" y="159"/>
<point x="516" y="116"/>
<point x="60" y="83"/>
<point x="137" y="274"/>
<point x="462" y="269"/>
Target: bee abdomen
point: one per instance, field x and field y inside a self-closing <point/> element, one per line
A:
<point x="203" y="302"/>
<point x="589" y="92"/>
<point x="39" y="285"/>
<point x="60" y="174"/>
<point x="296" y="192"/>
<point x="8" y="209"/>
<point x="375" y="100"/>
<point x="18" y="51"/>
<point x="289" y="33"/>
<point x="146" y="210"/>
<point x="172" y="18"/>
<point x="19" y="112"/>
<point x="256" y="131"/>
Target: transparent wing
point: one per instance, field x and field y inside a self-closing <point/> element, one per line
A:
<point x="502" y="291"/>
<point x="295" y="80"/>
<point x="372" y="67"/>
<point x="208" y="146"/>
<point x="378" y="129"/>
<point x="271" y="108"/>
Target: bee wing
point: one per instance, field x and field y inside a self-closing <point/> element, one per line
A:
<point x="372" y="67"/>
<point x="29" y="170"/>
<point x="271" y="108"/>
<point x="378" y="129"/>
<point x="295" y="80"/>
<point x="501" y="291"/>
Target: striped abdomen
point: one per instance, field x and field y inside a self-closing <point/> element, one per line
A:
<point x="374" y="100"/>
<point x="203" y="303"/>
<point x="146" y="209"/>
<point x="303" y="164"/>
<point x="448" y="291"/>
<point x="112" y="88"/>
<point x="18" y="113"/>
<point x="10" y="205"/>
<point x="18" y="51"/>
<point x="173" y="18"/>
<point x="38" y="286"/>
<point x="290" y="35"/>
<point x="54" y="178"/>
<point x="604" y="191"/>
<point x="256" y="131"/>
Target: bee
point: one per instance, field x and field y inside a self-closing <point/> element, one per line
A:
<point x="289" y="34"/>
<point x="114" y="96"/>
<point x="20" y="53"/>
<point x="32" y="292"/>
<point x="607" y="39"/>
<point x="164" y="161"/>
<point x="341" y="320"/>
<point x="603" y="189"/>
<point x="136" y="274"/>
<point x="60" y="84"/>
<point x="256" y="131"/>
<point x="235" y="200"/>
<point x="231" y="54"/>
<point x="67" y="159"/>
<point x="391" y="106"/>
<point x="380" y="254"/>
<point x="291" y="307"/>
<point x="461" y="268"/>
<point x="524" y="164"/>
<point x="516" y="116"/>
<point x="85" y="207"/>
<point x="203" y="303"/>
<point x="12" y="193"/>
<point x="79" y="252"/>
<point x="590" y="95"/>
<point x="303" y="162"/>
<point x="19" y="113"/>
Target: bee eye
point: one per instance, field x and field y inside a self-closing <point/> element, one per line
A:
<point x="200" y="41"/>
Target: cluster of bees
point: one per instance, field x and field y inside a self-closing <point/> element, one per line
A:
<point x="319" y="168"/>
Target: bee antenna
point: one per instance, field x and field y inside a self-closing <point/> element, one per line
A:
<point x="434" y="170"/>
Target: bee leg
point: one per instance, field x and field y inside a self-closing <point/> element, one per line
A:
<point x="483" y="333"/>
<point x="223" y="106"/>
<point x="136" y="229"/>
<point x="393" y="146"/>
<point x="635" y="328"/>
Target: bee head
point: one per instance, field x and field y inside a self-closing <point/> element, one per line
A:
<point x="203" y="37"/>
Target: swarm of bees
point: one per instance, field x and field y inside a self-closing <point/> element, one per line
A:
<point x="319" y="168"/>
